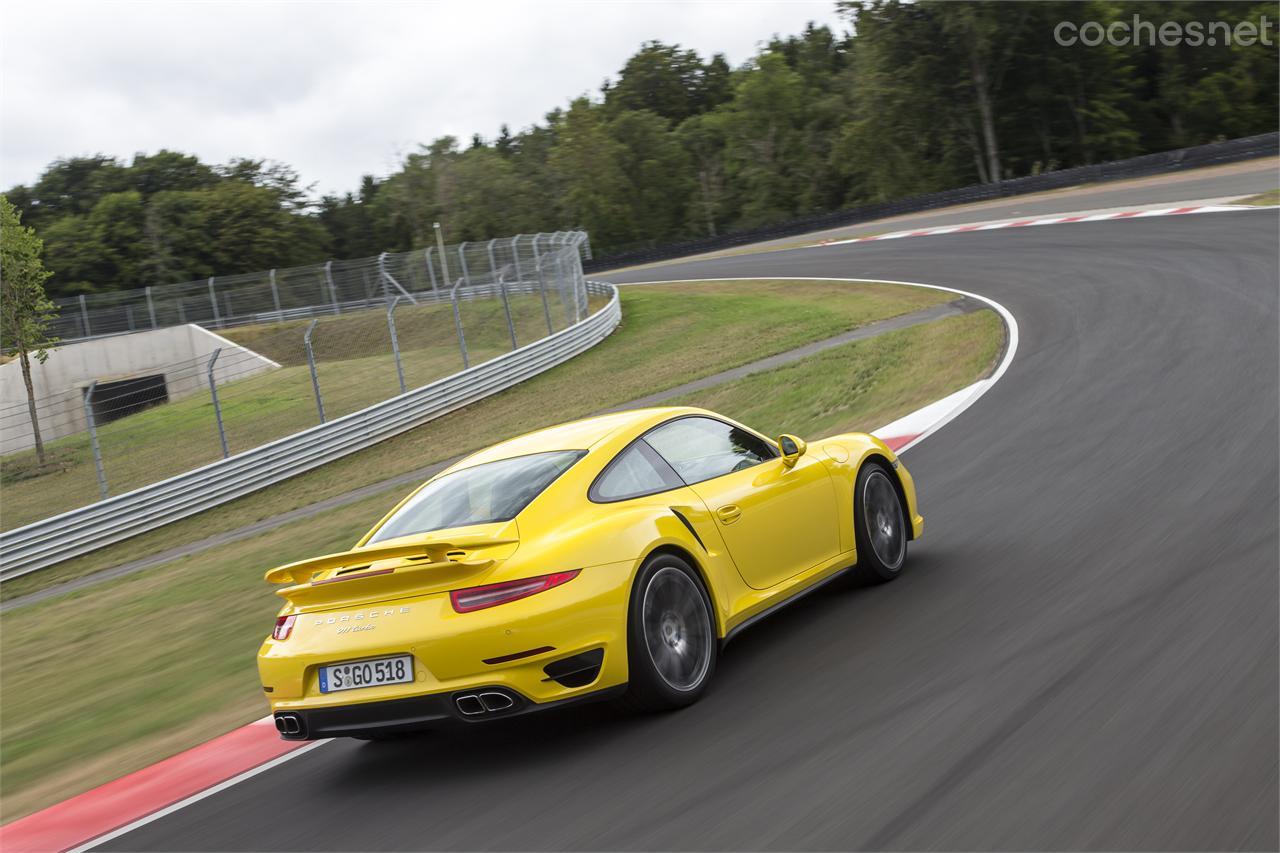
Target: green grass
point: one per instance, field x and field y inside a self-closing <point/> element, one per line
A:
<point x="1266" y="199"/>
<point x="101" y="682"/>
<point x="669" y="334"/>
<point x="862" y="385"/>
<point x="143" y="667"/>
<point x="355" y="369"/>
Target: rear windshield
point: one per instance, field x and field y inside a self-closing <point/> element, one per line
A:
<point x="494" y="491"/>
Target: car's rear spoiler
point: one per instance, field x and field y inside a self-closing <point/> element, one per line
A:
<point x="437" y="553"/>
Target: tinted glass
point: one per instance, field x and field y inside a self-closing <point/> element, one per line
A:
<point x="702" y="448"/>
<point x="494" y="491"/>
<point x="638" y="470"/>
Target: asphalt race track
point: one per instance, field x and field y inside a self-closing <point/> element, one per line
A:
<point x="1081" y="654"/>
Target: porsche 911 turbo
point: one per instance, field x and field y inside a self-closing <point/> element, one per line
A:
<point x="612" y="556"/>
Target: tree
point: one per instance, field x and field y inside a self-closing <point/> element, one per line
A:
<point x="716" y="86"/>
<point x="703" y="138"/>
<point x="25" y="310"/>
<point x="73" y="186"/>
<point x="762" y="139"/>
<point x="586" y="161"/>
<point x="658" y="170"/>
<point x="660" y="78"/>
<point x="170" y="170"/>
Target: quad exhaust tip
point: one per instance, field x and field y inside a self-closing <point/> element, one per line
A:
<point x="288" y="724"/>
<point x="488" y="702"/>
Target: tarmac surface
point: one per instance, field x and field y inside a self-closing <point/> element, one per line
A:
<point x="1081" y="654"/>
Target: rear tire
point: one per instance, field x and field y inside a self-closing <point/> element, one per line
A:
<point x="879" y="524"/>
<point x="671" y="640"/>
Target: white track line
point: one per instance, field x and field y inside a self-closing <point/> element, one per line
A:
<point x="952" y="405"/>
<point x="968" y="396"/>
<point x="194" y="798"/>
<point x="1055" y="219"/>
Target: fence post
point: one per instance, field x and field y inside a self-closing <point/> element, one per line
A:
<point x="217" y="408"/>
<point x="84" y="316"/>
<point x="275" y="295"/>
<point x="457" y="322"/>
<point x="333" y="290"/>
<point x="395" y="344"/>
<point x="311" y="363"/>
<point x="579" y="276"/>
<point x="542" y="291"/>
<point x="444" y="258"/>
<point x="569" y="312"/>
<point x="506" y="307"/>
<point x="93" y="438"/>
<point x="431" y="270"/>
<point x="388" y="278"/>
<point x="382" y="274"/>
<point x="151" y="307"/>
<point x="502" y="289"/>
<point x="540" y="270"/>
<point x="213" y="299"/>
<point x="462" y="256"/>
<point x="515" y="256"/>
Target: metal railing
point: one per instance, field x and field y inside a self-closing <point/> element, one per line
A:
<point x="71" y="534"/>
<point x="242" y="387"/>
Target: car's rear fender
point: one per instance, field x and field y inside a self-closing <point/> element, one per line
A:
<point x="845" y="455"/>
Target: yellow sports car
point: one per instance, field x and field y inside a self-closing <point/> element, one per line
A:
<point x="608" y="556"/>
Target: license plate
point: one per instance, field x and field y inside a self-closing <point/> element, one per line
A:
<point x="366" y="673"/>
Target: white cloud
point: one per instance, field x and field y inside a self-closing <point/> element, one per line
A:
<point x="334" y="89"/>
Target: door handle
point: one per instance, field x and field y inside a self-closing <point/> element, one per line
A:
<point x="729" y="514"/>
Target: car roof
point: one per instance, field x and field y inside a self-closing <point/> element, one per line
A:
<point x="576" y="435"/>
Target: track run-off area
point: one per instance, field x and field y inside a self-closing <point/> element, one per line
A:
<point x="1082" y="652"/>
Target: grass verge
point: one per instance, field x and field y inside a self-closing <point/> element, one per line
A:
<point x="355" y="368"/>
<point x="101" y="683"/>
<point x="1266" y="199"/>
<point x="670" y="334"/>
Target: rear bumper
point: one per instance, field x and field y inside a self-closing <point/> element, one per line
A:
<point x="510" y="646"/>
<point x="420" y="712"/>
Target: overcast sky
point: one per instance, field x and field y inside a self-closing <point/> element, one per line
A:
<point x="334" y="89"/>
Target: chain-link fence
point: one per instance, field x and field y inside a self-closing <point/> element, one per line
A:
<point x="270" y="373"/>
<point x="331" y="288"/>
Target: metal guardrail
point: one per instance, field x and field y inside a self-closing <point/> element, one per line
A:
<point x="1228" y="151"/>
<point x="71" y="534"/>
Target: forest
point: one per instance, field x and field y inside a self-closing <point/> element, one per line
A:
<point x="909" y="98"/>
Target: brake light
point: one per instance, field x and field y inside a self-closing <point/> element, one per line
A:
<point x="284" y="625"/>
<point x="490" y="595"/>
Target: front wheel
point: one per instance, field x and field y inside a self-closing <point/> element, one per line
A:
<point x="879" y="525"/>
<point x="671" y="639"/>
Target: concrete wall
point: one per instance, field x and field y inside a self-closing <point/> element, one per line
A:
<point x="180" y="353"/>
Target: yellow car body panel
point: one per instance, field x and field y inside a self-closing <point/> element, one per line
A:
<point x="392" y="597"/>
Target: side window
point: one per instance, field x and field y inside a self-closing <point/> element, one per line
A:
<point x="636" y="471"/>
<point x="702" y="448"/>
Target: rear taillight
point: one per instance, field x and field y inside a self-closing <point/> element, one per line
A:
<point x="480" y="597"/>
<point x="284" y="625"/>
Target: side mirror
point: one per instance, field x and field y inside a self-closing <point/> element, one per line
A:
<point x="792" y="449"/>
